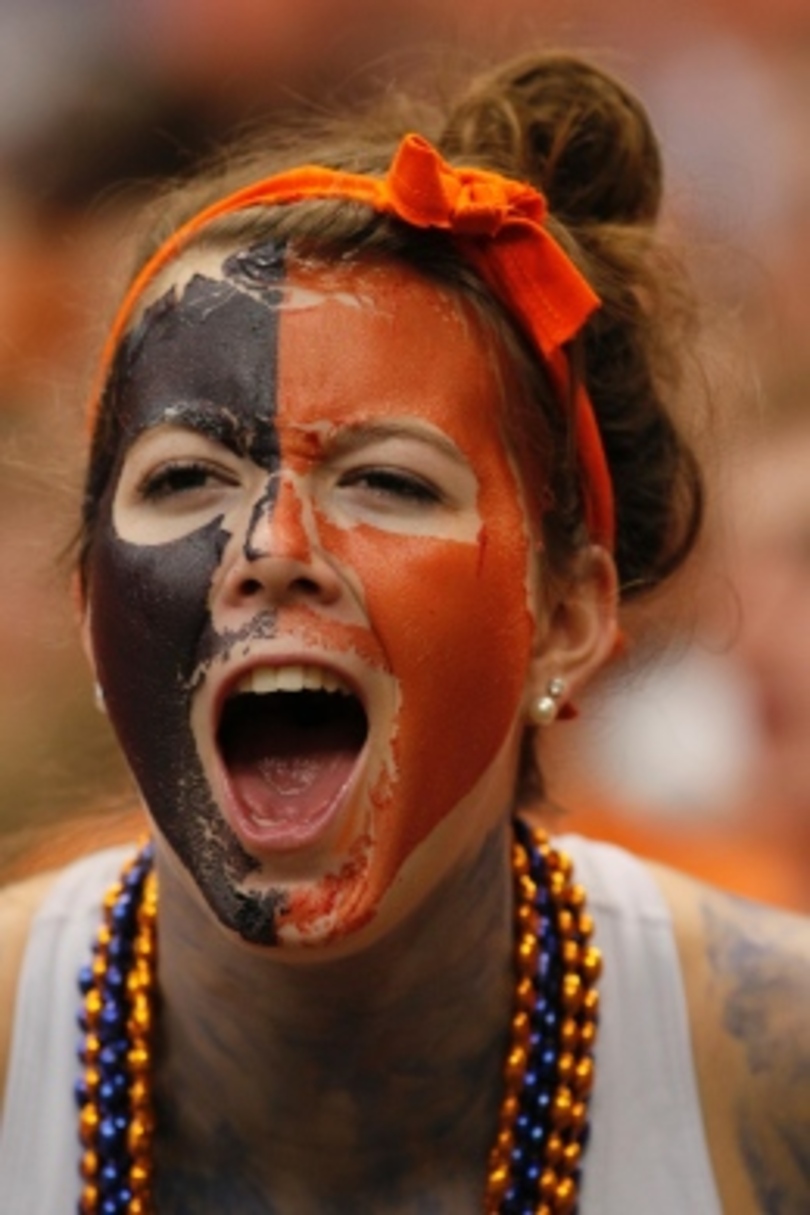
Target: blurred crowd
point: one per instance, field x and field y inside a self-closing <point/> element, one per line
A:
<point x="699" y="737"/>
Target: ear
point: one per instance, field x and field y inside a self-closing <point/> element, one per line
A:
<point x="577" y="631"/>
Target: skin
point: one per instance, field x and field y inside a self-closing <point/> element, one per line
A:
<point x="271" y="1059"/>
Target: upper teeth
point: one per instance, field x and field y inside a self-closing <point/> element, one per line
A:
<point x="293" y="678"/>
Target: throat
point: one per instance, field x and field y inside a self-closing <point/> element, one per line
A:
<point x="377" y="1064"/>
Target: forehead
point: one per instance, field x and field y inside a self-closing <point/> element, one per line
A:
<point x="311" y="342"/>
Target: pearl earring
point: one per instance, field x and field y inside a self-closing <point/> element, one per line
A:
<point x="98" y="697"/>
<point x="543" y="709"/>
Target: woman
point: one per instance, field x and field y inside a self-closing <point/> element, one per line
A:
<point x="375" y="443"/>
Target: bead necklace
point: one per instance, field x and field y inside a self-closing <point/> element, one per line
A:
<point x="116" y="1019"/>
<point x="534" y="1167"/>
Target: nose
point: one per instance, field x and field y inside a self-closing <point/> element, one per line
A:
<point x="281" y="559"/>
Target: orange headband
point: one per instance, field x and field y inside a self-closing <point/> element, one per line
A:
<point x="497" y="224"/>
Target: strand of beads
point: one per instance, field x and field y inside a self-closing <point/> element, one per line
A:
<point x="535" y="1165"/>
<point x="116" y="1020"/>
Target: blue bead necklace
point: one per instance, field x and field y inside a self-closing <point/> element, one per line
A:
<point x="116" y="1019"/>
<point x="535" y="1164"/>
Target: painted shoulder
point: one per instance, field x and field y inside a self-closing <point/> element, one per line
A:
<point x="19" y="904"/>
<point x="746" y="970"/>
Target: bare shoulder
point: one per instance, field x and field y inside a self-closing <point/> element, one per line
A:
<point x="746" y="971"/>
<point x="18" y="906"/>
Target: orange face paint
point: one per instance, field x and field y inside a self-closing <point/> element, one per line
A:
<point x="452" y="616"/>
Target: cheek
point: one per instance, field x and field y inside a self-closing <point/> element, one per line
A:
<point x="456" y="627"/>
<point x="150" y="621"/>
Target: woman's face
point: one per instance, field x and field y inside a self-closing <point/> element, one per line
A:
<point x="311" y="595"/>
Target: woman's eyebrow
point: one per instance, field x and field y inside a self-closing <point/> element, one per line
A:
<point x="213" y="422"/>
<point x="350" y="438"/>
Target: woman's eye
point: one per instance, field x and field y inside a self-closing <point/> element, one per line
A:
<point x="180" y="478"/>
<point x="392" y="484"/>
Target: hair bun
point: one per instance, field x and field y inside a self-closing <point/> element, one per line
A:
<point x="571" y="129"/>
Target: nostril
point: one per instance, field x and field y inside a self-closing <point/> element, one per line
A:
<point x="250" y="587"/>
<point x="306" y="586"/>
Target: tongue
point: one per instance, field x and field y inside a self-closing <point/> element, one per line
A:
<point x="287" y="771"/>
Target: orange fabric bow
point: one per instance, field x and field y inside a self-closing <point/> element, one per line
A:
<point x="497" y="224"/>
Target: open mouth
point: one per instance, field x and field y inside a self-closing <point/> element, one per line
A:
<point x="289" y="738"/>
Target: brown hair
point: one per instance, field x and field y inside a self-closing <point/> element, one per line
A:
<point x="585" y="141"/>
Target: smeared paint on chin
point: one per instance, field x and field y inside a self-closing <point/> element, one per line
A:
<point x="331" y="908"/>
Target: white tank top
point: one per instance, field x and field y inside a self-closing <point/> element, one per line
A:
<point x="647" y="1153"/>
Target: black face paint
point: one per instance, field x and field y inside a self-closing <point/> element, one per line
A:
<point x="260" y="268"/>
<point x="209" y="355"/>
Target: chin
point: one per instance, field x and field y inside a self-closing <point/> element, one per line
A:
<point x="317" y="909"/>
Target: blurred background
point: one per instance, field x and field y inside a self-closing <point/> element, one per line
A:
<point x="695" y="747"/>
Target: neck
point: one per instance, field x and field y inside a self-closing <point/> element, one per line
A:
<point x="305" y="1085"/>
